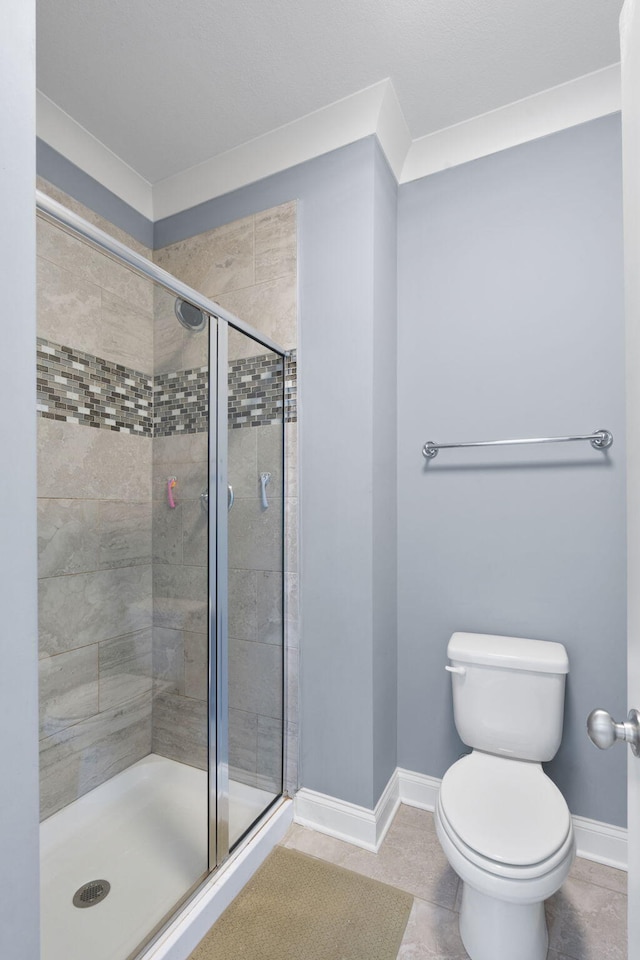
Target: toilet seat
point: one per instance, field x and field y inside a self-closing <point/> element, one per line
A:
<point x="505" y="816"/>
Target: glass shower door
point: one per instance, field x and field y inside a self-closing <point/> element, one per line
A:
<point x="250" y="571"/>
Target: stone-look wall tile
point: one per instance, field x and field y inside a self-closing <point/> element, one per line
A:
<point x="269" y="307"/>
<point x="191" y="479"/>
<point x="195" y="349"/>
<point x="126" y="333"/>
<point x="72" y="204"/>
<point x="85" y="464"/>
<point x="68" y="308"/>
<point x="90" y="264"/>
<point x="180" y="729"/>
<point x="167" y="532"/>
<point x="68" y="536"/>
<point x="196" y="665"/>
<point x="175" y="613"/>
<point x="68" y="689"/>
<point x="124" y="533"/>
<point x="269" y="607"/>
<point x="242" y="452"/>
<point x="185" y="448"/>
<point x="276" y="242"/>
<point x="167" y="333"/>
<point x="243" y="604"/>
<point x="291" y="453"/>
<point x="292" y="634"/>
<point x="255" y="537"/>
<point x="83" y="756"/>
<point x="243" y="743"/>
<point x="291" y="760"/>
<point x="168" y="661"/>
<point x="291" y="534"/>
<point x="587" y="922"/>
<point x="292" y="680"/>
<point x="255" y="677"/>
<point x="291" y="596"/>
<point x="87" y="607"/>
<point x="195" y="533"/>
<point x="270" y="456"/>
<point x="269" y="756"/>
<point x="180" y="598"/>
<point x="125" y="669"/>
<point x="221" y="259"/>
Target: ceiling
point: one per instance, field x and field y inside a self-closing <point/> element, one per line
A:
<point x="167" y="84"/>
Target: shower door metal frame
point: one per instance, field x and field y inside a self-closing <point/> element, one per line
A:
<point x="219" y="322"/>
<point x="218" y="598"/>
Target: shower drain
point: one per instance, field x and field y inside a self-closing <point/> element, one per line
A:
<point x="91" y="893"/>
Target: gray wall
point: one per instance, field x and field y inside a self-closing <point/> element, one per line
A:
<point x="347" y="322"/>
<point x="19" y="935"/>
<point x="384" y="529"/>
<point x="511" y="325"/>
<point x="68" y="177"/>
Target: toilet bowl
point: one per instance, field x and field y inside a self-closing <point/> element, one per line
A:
<point x="502" y="823"/>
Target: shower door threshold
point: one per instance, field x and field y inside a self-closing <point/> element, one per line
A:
<point x="144" y="832"/>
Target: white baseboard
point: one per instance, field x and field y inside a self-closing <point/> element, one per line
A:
<point x="601" y="842"/>
<point x="347" y="821"/>
<point x="597" y="841"/>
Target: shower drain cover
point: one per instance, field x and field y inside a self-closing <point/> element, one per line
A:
<point x="91" y="893"/>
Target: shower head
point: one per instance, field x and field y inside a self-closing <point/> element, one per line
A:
<point x="189" y="316"/>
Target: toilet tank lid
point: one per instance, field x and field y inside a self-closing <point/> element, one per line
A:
<point x="510" y="653"/>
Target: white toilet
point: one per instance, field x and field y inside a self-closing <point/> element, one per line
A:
<point x="503" y="825"/>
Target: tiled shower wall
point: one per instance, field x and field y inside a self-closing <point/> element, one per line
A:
<point x="95" y="329"/>
<point x="249" y="267"/>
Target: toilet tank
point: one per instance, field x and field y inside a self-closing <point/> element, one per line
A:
<point x="508" y="694"/>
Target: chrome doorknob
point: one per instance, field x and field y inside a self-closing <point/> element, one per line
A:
<point x="604" y="731"/>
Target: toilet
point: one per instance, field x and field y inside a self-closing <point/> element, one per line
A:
<point x="503" y="825"/>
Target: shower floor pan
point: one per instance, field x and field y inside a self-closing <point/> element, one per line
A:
<point x="145" y="833"/>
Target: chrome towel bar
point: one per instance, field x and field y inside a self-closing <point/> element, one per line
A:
<point x="599" y="440"/>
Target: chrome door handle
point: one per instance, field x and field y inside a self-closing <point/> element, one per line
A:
<point x="604" y="731"/>
<point x="204" y="498"/>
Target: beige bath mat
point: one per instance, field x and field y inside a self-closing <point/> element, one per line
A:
<point x="299" y="908"/>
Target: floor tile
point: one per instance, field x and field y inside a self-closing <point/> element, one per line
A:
<point x="431" y="934"/>
<point x="587" y="922"/>
<point x="410" y="857"/>
<point x="599" y="874"/>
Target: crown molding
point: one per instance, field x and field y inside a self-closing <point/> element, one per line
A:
<point x="374" y="110"/>
<point x="567" y="105"/>
<point x="68" y="137"/>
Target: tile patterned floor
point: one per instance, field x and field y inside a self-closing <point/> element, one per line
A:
<point x="587" y="917"/>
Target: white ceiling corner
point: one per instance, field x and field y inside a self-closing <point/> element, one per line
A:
<point x="374" y="110"/>
<point x="69" y="138"/>
<point x="567" y="105"/>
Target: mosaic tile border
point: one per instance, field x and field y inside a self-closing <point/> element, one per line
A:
<point x="256" y="391"/>
<point x="181" y="402"/>
<point x="79" y="387"/>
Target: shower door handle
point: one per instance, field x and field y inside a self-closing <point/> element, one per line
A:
<point x="204" y="498"/>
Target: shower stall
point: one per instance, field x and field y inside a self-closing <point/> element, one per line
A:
<point x="161" y="506"/>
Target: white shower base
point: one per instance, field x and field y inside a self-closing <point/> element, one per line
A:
<point x="146" y="832"/>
